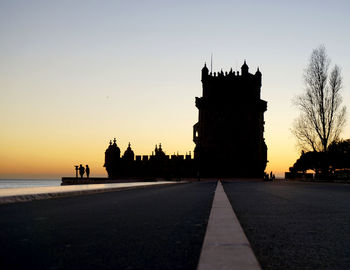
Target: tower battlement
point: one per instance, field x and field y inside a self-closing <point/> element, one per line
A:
<point x="226" y="85"/>
<point x="230" y="75"/>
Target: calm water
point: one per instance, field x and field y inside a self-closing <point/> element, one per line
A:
<point x="20" y="183"/>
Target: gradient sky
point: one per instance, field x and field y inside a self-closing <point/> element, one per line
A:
<point x="75" y="74"/>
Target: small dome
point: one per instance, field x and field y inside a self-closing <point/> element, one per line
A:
<point x="114" y="146"/>
<point x="244" y="68"/>
<point x="128" y="154"/>
<point x="258" y="72"/>
<point x="205" y="67"/>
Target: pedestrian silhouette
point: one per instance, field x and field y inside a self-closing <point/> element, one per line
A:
<point x="76" y="170"/>
<point x="81" y="170"/>
<point x="87" y="171"/>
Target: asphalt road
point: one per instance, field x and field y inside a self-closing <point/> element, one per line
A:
<point x="295" y="225"/>
<point x="151" y="228"/>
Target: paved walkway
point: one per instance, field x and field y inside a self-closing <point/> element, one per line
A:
<point x="289" y="226"/>
<point x="225" y="245"/>
<point x="294" y="225"/>
<point x="151" y="228"/>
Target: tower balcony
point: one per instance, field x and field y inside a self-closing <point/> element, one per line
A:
<point x="262" y="105"/>
<point x="199" y="102"/>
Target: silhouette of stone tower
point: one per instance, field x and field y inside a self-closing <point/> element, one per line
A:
<point x="112" y="159"/>
<point x="229" y="135"/>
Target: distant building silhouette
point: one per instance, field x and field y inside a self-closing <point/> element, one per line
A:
<point x="156" y="165"/>
<point x="229" y="134"/>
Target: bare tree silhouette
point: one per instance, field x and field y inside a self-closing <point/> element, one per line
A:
<point x="322" y="115"/>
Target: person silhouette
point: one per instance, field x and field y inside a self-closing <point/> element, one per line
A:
<point x="81" y="170"/>
<point x="87" y="170"/>
<point x="76" y="170"/>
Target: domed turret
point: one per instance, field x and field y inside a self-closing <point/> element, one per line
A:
<point x="205" y="68"/>
<point x="112" y="154"/>
<point x="108" y="154"/>
<point x="128" y="154"/>
<point x="244" y="68"/>
<point x="159" y="153"/>
<point x="115" y="149"/>
<point x="112" y="159"/>
<point x="258" y="76"/>
<point x="258" y="73"/>
<point x="205" y="71"/>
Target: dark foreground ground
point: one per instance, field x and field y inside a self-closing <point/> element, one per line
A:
<point x="295" y="225"/>
<point x="290" y="225"/>
<point x="152" y="228"/>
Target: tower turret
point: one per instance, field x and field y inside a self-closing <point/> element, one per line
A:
<point x="244" y="68"/>
<point x="205" y="71"/>
<point x="112" y="159"/>
<point x="229" y="134"/>
<point x="108" y="157"/>
<point x="115" y="149"/>
<point x="128" y="154"/>
<point x="159" y="153"/>
<point x="258" y="75"/>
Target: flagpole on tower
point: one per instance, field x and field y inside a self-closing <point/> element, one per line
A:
<point x="211" y="64"/>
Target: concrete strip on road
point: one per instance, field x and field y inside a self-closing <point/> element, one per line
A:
<point x="12" y="195"/>
<point x="225" y="244"/>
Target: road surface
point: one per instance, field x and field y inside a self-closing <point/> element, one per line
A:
<point x="290" y="225"/>
<point x="295" y="225"/>
<point x="149" y="228"/>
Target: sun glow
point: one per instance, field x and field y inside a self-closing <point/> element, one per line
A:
<point x="73" y="75"/>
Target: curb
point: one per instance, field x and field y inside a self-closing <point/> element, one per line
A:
<point x="26" y="195"/>
<point x="225" y="245"/>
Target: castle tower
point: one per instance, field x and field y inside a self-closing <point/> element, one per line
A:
<point x="112" y="159"/>
<point x="128" y="154"/>
<point x="229" y="135"/>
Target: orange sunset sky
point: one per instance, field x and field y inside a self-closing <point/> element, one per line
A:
<point x="75" y="74"/>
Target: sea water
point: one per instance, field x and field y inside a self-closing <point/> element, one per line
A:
<point x="21" y="183"/>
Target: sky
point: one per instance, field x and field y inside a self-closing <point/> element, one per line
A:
<point x="76" y="74"/>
